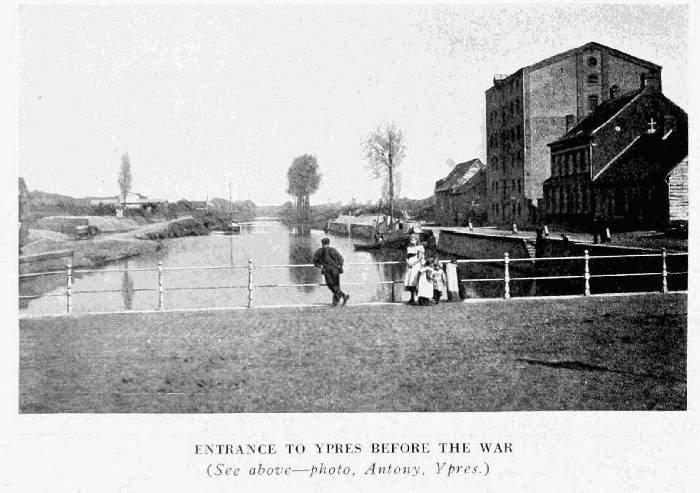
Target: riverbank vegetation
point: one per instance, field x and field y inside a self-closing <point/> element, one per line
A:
<point x="404" y="208"/>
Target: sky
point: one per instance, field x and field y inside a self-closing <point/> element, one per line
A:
<point x="199" y="96"/>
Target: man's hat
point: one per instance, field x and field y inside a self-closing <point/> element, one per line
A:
<point x="326" y="241"/>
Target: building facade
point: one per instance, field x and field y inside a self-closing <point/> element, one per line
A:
<point x="625" y="165"/>
<point x="537" y="104"/>
<point x="460" y="197"/>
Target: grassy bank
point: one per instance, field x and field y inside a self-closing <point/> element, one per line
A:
<point x="97" y="251"/>
<point x="175" y="228"/>
<point x="617" y="353"/>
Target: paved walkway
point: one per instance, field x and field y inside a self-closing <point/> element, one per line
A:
<point x="623" y="352"/>
<point x="639" y="239"/>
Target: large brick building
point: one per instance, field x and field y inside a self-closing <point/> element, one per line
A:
<point x="533" y="107"/>
<point x="625" y="165"/>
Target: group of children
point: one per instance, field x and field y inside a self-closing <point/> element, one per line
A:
<point x="423" y="279"/>
<point x="431" y="282"/>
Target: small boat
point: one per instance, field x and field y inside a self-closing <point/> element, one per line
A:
<point x="363" y="247"/>
<point x="232" y="228"/>
<point x="398" y="241"/>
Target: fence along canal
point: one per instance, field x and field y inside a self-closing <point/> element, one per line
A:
<point x="583" y="275"/>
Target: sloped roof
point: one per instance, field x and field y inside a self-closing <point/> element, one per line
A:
<point x="479" y="174"/>
<point x="460" y="174"/>
<point x="591" y="45"/>
<point x="598" y="117"/>
<point x="647" y="158"/>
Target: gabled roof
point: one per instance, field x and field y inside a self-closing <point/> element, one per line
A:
<point x="591" y="45"/>
<point x="649" y="157"/>
<point x="602" y="113"/>
<point x="460" y="174"/>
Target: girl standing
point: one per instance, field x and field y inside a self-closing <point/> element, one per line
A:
<point x="415" y="259"/>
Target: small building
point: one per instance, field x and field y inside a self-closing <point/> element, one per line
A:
<point x="133" y="201"/>
<point x="460" y="197"/>
<point x="625" y="165"/>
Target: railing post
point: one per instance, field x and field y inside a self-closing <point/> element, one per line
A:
<point x="586" y="274"/>
<point x="250" y="283"/>
<point x="161" y="304"/>
<point x="69" y="288"/>
<point x="506" y="278"/>
<point x="664" y="272"/>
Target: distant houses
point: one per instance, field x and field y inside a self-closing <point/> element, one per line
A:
<point x="133" y="201"/>
<point x="460" y="197"/>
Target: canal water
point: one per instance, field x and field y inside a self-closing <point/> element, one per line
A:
<point x="266" y="242"/>
<point x="273" y="244"/>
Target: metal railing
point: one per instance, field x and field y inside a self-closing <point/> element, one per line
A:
<point x="506" y="263"/>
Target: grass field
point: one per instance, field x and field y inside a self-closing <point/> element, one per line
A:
<point x="616" y="353"/>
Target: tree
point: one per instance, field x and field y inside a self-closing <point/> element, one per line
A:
<point x="304" y="179"/>
<point x="23" y="212"/>
<point x="125" y="177"/>
<point x="386" y="186"/>
<point x="384" y="150"/>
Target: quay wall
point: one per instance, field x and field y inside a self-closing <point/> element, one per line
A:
<point x="362" y="230"/>
<point x="338" y="228"/>
<point x="479" y="245"/>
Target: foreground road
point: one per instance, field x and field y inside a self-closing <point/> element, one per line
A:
<point x="626" y="352"/>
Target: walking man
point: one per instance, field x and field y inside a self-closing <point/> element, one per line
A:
<point x="331" y="264"/>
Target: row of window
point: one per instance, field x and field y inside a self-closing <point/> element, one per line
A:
<point x="570" y="199"/>
<point x="512" y="134"/>
<point x="515" y="186"/>
<point x="578" y="199"/>
<point x="507" y="110"/>
<point x="570" y="163"/>
<point x="498" y="209"/>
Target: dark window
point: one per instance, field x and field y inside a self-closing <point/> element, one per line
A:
<point x="592" y="102"/>
<point x="569" y="121"/>
<point x="592" y="61"/>
<point x="669" y="123"/>
<point x="614" y="91"/>
<point x="593" y="79"/>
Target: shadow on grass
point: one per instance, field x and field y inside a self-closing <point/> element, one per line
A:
<point x="581" y="366"/>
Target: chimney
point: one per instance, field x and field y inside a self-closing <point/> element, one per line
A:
<point x="651" y="81"/>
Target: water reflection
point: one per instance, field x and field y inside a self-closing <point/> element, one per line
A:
<point x="127" y="287"/>
<point x="301" y="251"/>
